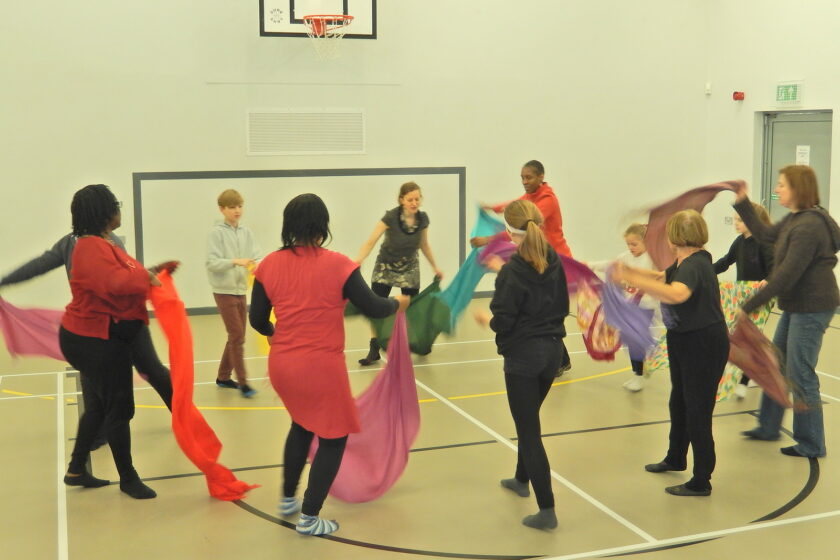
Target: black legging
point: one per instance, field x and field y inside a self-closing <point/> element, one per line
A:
<point x="146" y="361"/>
<point x="384" y="290"/>
<point x="529" y="373"/>
<point x="107" y="392"/>
<point x="697" y="361"/>
<point x="322" y="472"/>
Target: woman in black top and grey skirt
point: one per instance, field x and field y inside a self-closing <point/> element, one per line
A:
<point x="406" y="230"/>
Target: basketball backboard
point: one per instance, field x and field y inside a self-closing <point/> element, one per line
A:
<point x="284" y="18"/>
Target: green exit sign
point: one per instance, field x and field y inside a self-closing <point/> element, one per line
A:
<point x="789" y="93"/>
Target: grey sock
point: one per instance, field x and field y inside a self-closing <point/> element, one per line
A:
<point x="520" y="488"/>
<point x="543" y="519"/>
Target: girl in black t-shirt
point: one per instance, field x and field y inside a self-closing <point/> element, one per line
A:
<point x="698" y="346"/>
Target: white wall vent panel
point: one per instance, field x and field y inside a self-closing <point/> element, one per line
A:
<point x="306" y="131"/>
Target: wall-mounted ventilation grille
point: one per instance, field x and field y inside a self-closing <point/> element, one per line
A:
<point x="284" y="132"/>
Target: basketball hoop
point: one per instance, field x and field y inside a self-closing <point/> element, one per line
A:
<point x="326" y="31"/>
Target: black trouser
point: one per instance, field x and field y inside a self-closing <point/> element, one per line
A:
<point x="637" y="366"/>
<point x="322" y="472"/>
<point x="529" y="373"/>
<point x="697" y="360"/>
<point x="146" y="361"/>
<point x="384" y="290"/>
<point x="107" y="390"/>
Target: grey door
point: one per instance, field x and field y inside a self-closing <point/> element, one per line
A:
<point x="791" y="138"/>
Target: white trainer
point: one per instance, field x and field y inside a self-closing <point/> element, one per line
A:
<point x="634" y="384"/>
<point x="740" y="391"/>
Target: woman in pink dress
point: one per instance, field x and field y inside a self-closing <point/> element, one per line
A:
<point x="308" y="287"/>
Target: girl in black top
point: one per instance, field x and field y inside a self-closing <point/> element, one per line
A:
<point x="753" y="262"/>
<point x="698" y="346"/>
<point x="406" y="230"/>
<point x="529" y="306"/>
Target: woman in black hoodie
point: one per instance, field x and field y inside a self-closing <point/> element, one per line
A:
<point x="529" y="306"/>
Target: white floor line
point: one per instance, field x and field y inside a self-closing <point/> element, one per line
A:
<point x="828" y="375"/>
<point x="61" y="490"/>
<point x="695" y="537"/>
<point x="198" y="383"/>
<point x="829" y="397"/>
<point x="504" y="441"/>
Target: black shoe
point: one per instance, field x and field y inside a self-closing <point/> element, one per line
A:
<point x="85" y="480"/>
<point x="683" y="490"/>
<point x="227" y="383"/>
<point x="662" y="466"/>
<point x="792" y="452"/>
<point x="247" y="392"/>
<point x="373" y="353"/>
<point x="756" y="433"/>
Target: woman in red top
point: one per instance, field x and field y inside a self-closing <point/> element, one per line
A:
<point x="107" y="312"/>
<point x="308" y="287"/>
<point x="542" y="195"/>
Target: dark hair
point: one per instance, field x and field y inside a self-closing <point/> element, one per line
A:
<point x="536" y="166"/>
<point x="306" y="222"/>
<point x="803" y="184"/>
<point x="93" y="208"/>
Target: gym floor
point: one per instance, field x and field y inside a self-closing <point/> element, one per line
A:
<point x="448" y="502"/>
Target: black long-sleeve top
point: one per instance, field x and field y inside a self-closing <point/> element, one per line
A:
<point x="528" y="304"/>
<point x="355" y="289"/>
<point x="753" y="260"/>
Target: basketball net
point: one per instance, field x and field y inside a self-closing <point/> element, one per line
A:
<point x="326" y="32"/>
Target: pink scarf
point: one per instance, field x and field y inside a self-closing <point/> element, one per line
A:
<point x="389" y="413"/>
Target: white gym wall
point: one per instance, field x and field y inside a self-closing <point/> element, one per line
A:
<point x="608" y="94"/>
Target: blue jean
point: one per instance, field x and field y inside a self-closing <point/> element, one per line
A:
<point x="799" y="338"/>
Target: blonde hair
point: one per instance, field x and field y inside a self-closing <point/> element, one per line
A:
<point x="687" y="228"/>
<point x="230" y="198"/>
<point x="762" y="214"/>
<point x="636" y="229"/>
<point x="524" y="215"/>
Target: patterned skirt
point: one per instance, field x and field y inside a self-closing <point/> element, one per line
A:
<point x="402" y="273"/>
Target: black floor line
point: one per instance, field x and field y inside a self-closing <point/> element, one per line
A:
<point x="810" y="485"/>
<point x="374" y="546"/>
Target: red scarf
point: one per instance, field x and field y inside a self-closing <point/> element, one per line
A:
<point x="195" y="437"/>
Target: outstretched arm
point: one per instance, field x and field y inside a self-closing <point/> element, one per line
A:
<point x="378" y="230"/>
<point x="673" y="293"/>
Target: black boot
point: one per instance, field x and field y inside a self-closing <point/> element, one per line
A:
<point x="373" y="353"/>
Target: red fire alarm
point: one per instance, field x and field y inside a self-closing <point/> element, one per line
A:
<point x="737" y="95"/>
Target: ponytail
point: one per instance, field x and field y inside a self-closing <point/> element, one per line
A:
<point x="524" y="215"/>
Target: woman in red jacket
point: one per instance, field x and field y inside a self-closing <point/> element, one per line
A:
<point x="107" y="312"/>
<point x="542" y="195"/>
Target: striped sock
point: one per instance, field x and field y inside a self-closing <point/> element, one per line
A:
<point x="288" y="506"/>
<point x="314" y="525"/>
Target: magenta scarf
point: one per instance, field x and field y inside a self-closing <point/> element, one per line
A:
<point x="389" y="414"/>
<point x="31" y="332"/>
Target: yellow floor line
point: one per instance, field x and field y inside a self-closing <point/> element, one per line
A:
<point x="421" y="401"/>
<point x="19" y="394"/>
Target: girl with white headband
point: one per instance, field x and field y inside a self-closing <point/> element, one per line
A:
<point x="529" y="306"/>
